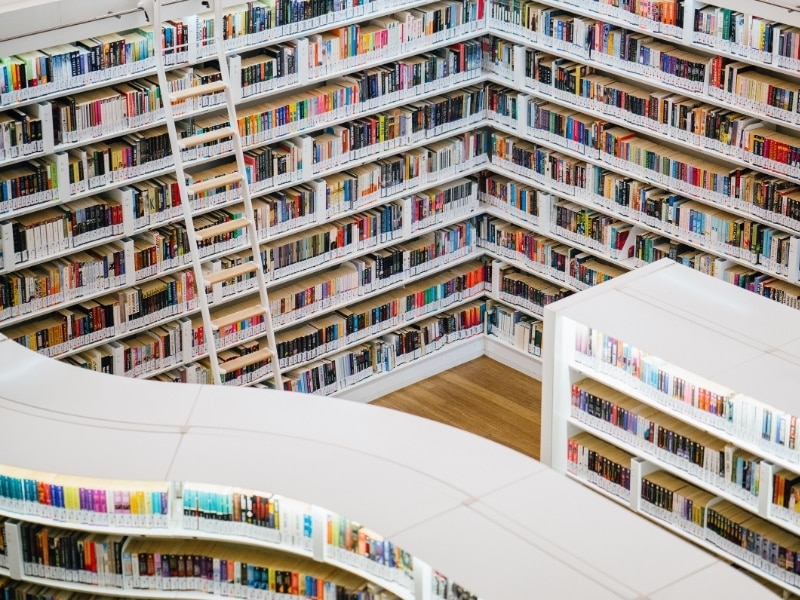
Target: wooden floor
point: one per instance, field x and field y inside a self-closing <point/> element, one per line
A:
<point x="482" y="396"/>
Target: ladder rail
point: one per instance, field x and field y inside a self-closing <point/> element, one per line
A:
<point x="245" y="192"/>
<point x="245" y="197"/>
<point x="169" y="116"/>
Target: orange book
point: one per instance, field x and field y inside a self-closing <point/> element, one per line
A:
<point x="43" y="539"/>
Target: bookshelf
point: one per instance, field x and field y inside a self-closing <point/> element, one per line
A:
<point x="525" y="149"/>
<point x="401" y="186"/>
<point x="697" y="436"/>
<point x="208" y="445"/>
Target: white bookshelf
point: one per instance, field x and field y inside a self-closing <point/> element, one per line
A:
<point x="44" y="24"/>
<point x="711" y="335"/>
<point x="423" y="495"/>
<point x="508" y="72"/>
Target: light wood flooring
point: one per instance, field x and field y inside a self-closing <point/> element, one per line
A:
<point x="482" y="396"/>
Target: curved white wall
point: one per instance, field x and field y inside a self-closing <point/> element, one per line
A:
<point x="497" y="522"/>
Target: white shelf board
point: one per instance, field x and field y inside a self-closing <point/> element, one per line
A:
<point x="53" y="442"/>
<point x="649" y="323"/>
<point x="716" y="304"/>
<point x="621" y="549"/>
<point x="511" y="554"/>
<point x="778" y="389"/>
<point x="790" y="350"/>
<point x="35" y="380"/>
<point x="676" y="303"/>
<point x="427" y="486"/>
<point x="710" y="582"/>
<point x="513" y="357"/>
<point x="383" y="435"/>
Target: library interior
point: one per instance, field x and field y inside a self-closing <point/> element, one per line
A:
<point x="399" y="299"/>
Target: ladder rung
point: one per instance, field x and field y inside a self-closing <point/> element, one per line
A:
<point x="239" y="315"/>
<point x="243" y="361"/>
<point x="197" y="90"/>
<point x="210" y="184"/>
<point x="203" y="138"/>
<point x="225" y="274"/>
<point x="221" y="229"/>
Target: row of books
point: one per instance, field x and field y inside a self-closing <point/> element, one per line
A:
<point x="21" y="134"/>
<point x="141" y="563"/>
<point x="689" y="121"/>
<point x="600" y="463"/>
<point x="761" y="543"/>
<point x="71" y="555"/>
<point x="174" y="340"/>
<point x="50" y="233"/>
<point x="64" y="499"/>
<point x="426" y="336"/>
<point x="750" y="36"/>
<point x="528" y="292"/>
<point x="662" y="16"/>
<point x="108" y="165"/>
<point x="148" y="255"/>
<point x="773" y="431"/>
<point x="697" y="223"/>
<point x="348" y="540"/>
<point x="619" y="415"/>
<point x="54" y="69"/>
<point x="632" y="51"/>
<point x="266" y="517"/>
<point x="742" y="85"/>
<point x="446" y="589"/>
<point x="537" y="253"/>
<point x="267" y="69"/>
<point x="352" y="45"/>
<point x="668" y="498"/>
<point x="137" y="103"/>
<point x="103" y="112"/>
<point x="601" y="232"/>
<point x="260" y="23"/>
<point x="514" y="327"/>
<point x="11" y="589"/>
<point x="32" y="75"/>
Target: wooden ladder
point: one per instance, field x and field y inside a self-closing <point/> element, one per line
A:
<point x="234" y="173"/>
